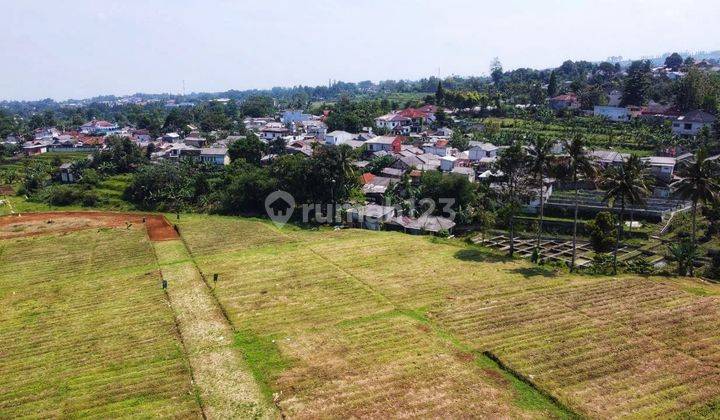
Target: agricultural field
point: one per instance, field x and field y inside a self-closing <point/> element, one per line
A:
<point x="357" y="323"/>
<point x="308" y="323"/>
<point x="86" y="328"/>
<point x="623" y="138"/>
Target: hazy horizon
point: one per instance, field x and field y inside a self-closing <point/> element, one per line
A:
<point x="82" y="48"/>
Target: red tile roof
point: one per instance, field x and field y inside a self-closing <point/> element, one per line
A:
<point x="366" y="178"/>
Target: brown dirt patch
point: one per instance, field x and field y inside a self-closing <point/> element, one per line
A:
<point x="159" y="229"/>
<point x="34" y="224"/>
<point x="6" y="190"/>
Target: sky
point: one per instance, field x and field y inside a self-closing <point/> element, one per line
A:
<point x="84" y="48"/>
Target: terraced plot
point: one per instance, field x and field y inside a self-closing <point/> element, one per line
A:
<point x="323" y="342"/>
<point x="342" y="313"/>
<point x="86" y="329"/>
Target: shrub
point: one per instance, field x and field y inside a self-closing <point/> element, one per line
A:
<point x="61" y="195"/>
<point x="603" y="231"/>
<point x="89" y="199"/>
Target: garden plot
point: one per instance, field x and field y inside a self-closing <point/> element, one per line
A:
<point x="87" y="331"/>
<point x="550" y="249"/>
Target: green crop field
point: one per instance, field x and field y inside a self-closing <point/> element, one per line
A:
<point x="86" y="330"/>
<point x="336" y="324"/>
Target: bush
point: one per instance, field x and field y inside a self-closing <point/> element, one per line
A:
<point x="603" y="232"/>
<point x="61" y="195"/>
<point x="89" y="199"/>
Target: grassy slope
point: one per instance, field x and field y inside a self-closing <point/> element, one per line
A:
<point x="357" y="322"/>
<point x="87" y="331"/>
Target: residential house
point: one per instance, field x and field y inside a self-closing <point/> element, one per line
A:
<point x="479" y="150"/>
<point x="171" y="138"/>
<point x="292" y="116"/>
<point x="141" y="135"/>
<point x="390" y="172"/>
<point x="607" y="158"/>
<point x="661" y="167"/>
<point x="370" y="216"/>
<point x="447" y="163"/>
<point x="181" y="150"/>
<point x="384" y="143"/>
<point x="273" y="130"/>
<point x="99" y="127"/>
<point x="391" y="121"/>
<point x="315" y="128"/>
<point x="338" y="137"/>
<point x="566" y="101"/>
<point x="376" y="187"/>
<point x="612" y="113"/>
<point x="195" y="140"/>
<point x="214" y="155"/>
<point x="690" y="123"/>
<point x="439" y="147"/>
<point x="36" y="147"/>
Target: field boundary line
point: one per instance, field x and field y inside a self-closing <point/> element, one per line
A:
<point x="176" y="322"/>
<point x="227" y="386"/>
<point x="446" y="336"/>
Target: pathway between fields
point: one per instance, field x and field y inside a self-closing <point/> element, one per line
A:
<point x="226" y="387"/>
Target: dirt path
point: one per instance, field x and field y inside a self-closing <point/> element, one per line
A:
<point x="226" y="387"/>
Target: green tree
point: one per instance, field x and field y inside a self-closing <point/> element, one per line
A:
<point x="674" y="61"/>
<point x="580" y="166"/>
<point x="553" y="84"/>
<point x="250" y="148"/>
<point x="257" y="106"/>
<point x="627" y="183"/>
<point x="684" y="253"/>
<point x="514" y="166"/>
<point x="440" y="94"/>
<point x="637" y="83"/>
<point x="459" y="141"/>
<point x="699" y="184"/>
<point x="539" y="156"/>
<point x="603" y="231"/>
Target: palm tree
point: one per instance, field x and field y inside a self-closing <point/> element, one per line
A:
<point x="627" y="183"/>
<point x="698" y="183"/>
<point x="539" y="154"/>
<point x="513" y="166"/>
<point x="580" y="163"/>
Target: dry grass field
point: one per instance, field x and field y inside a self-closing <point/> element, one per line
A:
<point x="335" y="324"/>
<point x="358" y="323"/>
<point x="86" y="330"/>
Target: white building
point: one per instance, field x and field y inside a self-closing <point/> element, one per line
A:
<point x="338" y="137"/>
<point x="690" y="123"/>
<point x="479" y="150"/>
<point x="447" y="163"/>
<point x="294" y="116"/>
<point x="612" y="113"/>
<point x="392" y="120"/>
<point x="662" y="167"/>
<point x="214" y="155"/>
<point x="272" y="130"/>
